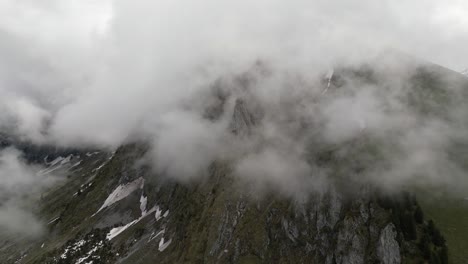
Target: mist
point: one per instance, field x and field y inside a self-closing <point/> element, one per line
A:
<point x="104" y="73"/>
<point x="20" y="184"/>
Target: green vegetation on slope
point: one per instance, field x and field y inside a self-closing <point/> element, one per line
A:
<point x="451" y="217"/>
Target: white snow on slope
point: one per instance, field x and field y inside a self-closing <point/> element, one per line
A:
<point x="80" y="260"/>
<point x="76" y="164"/>
<point x="89" y="154"/>
<point x="55" y="161"/>
<point x="56" y="164"/>
<point x="157" y="215"/>
<point x="143" y="203"/>
<point x="118" y="230"/>
<point x="66" y="160"/>
<point x="105" y="162"/>
<point x="47" y="171"/>
<point x="53" y="220"/>
<point x="73" y="248"/>
<point x="153" y="236"/>
<point x="121" y="192"/>
<point x="329" y="77"/>
<point x="100" y="167"/>
<point x="162" y="245"/>
<point x="60" y="160"/>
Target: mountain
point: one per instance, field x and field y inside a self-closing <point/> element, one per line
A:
<point x="136" y="217"/>
<point x="114" y="208"/>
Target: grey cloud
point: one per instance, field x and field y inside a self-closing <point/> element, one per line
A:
<point x="80" y="72"/>
<point x="14" y="220"/>
<point x="18" y="183"/>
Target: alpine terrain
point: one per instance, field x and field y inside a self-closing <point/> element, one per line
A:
<point x="112" y="207"/>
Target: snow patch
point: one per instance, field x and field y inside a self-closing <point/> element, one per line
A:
<point x="118" y="230"/>
<point x="157" y="215"/>
<point x="143" y="203"/>
<point x="121" y="192"/>
<point x="80" y="260"/>
<point x="83" y="188"/>
<point x="48" y="171"/>
<point x="89" y="154"/>
<point x="53" y="220"/>
<point x="55" y="165"/>
<point x="329" y="77"/>
<point x="76" y="164"/>
<point x="56" y="161"/>
<point x="153" y="236"/>
<point x="163" y="245"/>
<point x="100" y="167"/>
<point x="74" y="247"/>
<point x="66" y="160"/>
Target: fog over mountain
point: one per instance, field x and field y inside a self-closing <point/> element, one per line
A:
<point x="102" y="73"/>
<point x="17" y="180"/>
<point x="291" y="99"/>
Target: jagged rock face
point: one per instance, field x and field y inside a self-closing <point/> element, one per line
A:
<point x="153" y="218"/>
<point x="242" y="119"/>
<point x="125" y="213"/>
<point x="388" y="249"/>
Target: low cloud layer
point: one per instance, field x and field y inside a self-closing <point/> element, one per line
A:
<point x="20" y="183"/>
<point x="80" y="73"/>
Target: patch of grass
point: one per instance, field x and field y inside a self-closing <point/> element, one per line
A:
<point x="451" y="217"/>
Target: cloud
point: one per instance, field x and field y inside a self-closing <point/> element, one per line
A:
<point x="280" y="170"/>
<point x="100" y="74"/>
<point x="80" y="73"/>
<point x="185" y="145"/>
<point x="14" y="220"/>
<point x="18" y="183"/>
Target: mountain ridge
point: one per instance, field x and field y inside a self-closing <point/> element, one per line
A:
<point x="222" y="219"/>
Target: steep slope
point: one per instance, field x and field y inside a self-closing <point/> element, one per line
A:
<point x="115" y="209"/>
<point x="214" y="222"/>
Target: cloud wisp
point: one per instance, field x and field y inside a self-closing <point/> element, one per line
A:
<point x="101" y="73"/>
<point x="20" y="183"/>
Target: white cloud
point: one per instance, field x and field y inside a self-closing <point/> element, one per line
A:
<point x="99" y="72"/>
<point x="18" y="182"/>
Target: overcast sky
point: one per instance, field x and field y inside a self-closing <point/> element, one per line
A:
<point x="106" y="64"/>
<point x="434" y="30"/>
<point x="91" y="70"/>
